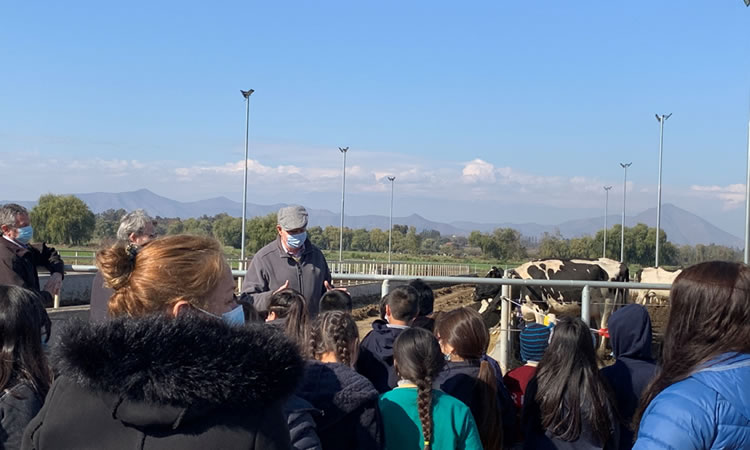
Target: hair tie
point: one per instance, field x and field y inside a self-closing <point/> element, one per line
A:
<point x="132" y="251"/>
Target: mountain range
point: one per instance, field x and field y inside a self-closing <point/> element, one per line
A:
<point x="682" y="227"/>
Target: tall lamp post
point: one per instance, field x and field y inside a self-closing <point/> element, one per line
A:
<point x="663" y="118"/>
<point x="343" y="189"/>
<point x="390" y="229"/>
<point x="247" y="95"/>
<point x="624" y="191"/>
<point x="606" y="208"/>
<point x="747" y="193"/>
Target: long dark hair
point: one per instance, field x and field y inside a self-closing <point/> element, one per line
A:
<point x="417" y="358"/>
<point x="570" y="390"/>
<point x="334" y="331"/>
<point x="22" y="358"/>
<point x="290" y="305"/>
<point x="465" y="331"/>
<point x="709" y="315"/>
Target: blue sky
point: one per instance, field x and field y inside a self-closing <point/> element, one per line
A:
<point x="489" y="111"/>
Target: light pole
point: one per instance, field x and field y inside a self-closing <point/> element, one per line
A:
<point x="390" y="229"/>
<point x="343" y="189"/>
<point x="624" y="191"/>
<point x="747" y="194"/>
<point x="247" y="95"/>
<point x="606" y="208"/>
<point x="663" y="118"/>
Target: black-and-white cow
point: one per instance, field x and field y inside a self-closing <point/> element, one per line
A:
<point x="561" y="299"/>
<point x="488" y="291"/>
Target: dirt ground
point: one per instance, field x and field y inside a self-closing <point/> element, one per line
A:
<point x="447" y="298"/>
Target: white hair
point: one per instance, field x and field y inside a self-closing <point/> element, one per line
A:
<point x="133" y="222"/>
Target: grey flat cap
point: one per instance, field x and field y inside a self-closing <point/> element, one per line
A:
<point x="292" y="217"/>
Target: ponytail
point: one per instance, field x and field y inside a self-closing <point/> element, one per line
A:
<point x="465" y="331"/>
<point x="291" y="305"/>
<point x="490" y="421"/>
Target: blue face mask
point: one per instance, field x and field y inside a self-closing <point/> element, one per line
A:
<point x="233" y="317"/>
<point x="25" y="234"/>
<point x="296" y="240"/>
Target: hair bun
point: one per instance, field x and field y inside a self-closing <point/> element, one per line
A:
<point x="116" y="263"/>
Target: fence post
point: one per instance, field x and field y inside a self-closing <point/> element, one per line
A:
<point x="504" y="326"/>
<point x="384" y="288"/>
<point x="586" y="305"/>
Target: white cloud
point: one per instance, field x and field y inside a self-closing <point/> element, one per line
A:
<point x="732" y="196"/>
<point x="478" y="171"/>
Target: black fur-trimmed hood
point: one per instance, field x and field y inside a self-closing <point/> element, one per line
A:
<point x="184" y="362"/>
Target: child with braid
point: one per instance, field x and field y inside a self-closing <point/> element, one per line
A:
<point x="414" y="415"/>
<point x="348" y="401"/>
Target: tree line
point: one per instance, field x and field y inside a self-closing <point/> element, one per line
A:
<point x="67" y="220"/>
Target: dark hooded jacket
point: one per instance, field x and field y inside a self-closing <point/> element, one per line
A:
<point x="163" y="383"/>
<point x="18" y="265"/>
<point x="302" y="429"/>
<point x="18" y="405"/>
<point x="349" y="406"/>
<point x="459" y="379"/>
<point x="634" y="368"/>
<point x="375" y="360"/>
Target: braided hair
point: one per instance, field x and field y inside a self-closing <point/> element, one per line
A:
<point x="334" y="331"/>
<point x="418" y="358"/>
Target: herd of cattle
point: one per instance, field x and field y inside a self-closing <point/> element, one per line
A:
<point x="565" y="300"/>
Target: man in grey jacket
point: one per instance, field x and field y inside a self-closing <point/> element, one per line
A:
<point x="290" y="261"/>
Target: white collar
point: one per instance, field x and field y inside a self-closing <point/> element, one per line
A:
<point x="14" y="241"/>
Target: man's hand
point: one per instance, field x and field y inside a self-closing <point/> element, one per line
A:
<point x="330" y="287"/>
<point x="283" y="286"/>
<point x="54" y="283"/>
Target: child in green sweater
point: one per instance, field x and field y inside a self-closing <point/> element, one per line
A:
<point x="416" y="417"/>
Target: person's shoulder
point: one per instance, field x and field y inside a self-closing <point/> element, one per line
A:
<point x="449" y="402"/>
<point x="271" y="247"/>
<point x="20" y="396"/>
<point x="399" y="394"/>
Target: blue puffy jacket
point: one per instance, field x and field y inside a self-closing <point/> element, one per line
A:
<point x="708" y="410"/>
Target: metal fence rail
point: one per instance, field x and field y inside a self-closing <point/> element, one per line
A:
<point x="501" y="349"/>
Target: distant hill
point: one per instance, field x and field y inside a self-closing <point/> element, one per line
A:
<point x="681" y="226"/>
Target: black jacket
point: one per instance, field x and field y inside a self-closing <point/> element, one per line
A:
<point x="164" y="383"/>
<point x="459" y="379"/>
<point x="375" y="359"/>
<point x="18" y="405"/>
<point x="18" y="265"/>
<point x="302" y="429"/>
<point x="634" y="368"/>
<point x="349" y="406"/>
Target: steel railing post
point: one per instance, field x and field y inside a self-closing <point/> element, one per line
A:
<point x="586" y="305"/>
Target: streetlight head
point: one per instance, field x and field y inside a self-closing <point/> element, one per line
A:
<point x="668" y="116"/>
<point x="391" y="178"/>
<point x="623" y="165"/>
<point x="343" y="149"/>
<point x="606" y="188"/>
<point x="247" y="93"/>
<point x="658" y="118"/>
